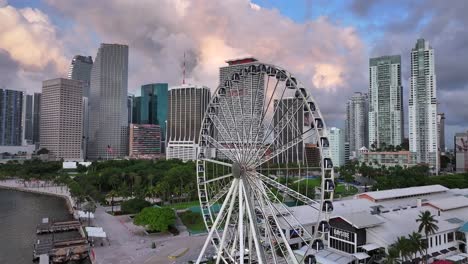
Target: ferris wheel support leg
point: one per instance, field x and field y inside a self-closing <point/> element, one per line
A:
<point x="241" y="224"/>
<point x="218" y="218"/>
<point x="253" y="230"/>
<point x="226" y="226"/>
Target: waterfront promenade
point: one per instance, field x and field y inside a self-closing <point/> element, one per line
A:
<point x="126" y="242"/>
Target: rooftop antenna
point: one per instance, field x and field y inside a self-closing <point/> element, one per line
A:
<point x="183" y="80"/>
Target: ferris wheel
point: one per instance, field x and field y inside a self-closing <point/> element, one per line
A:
<point x="261" y="141"/>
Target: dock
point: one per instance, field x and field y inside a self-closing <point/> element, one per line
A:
<point x="60" y="241"/>
<point x="55" y="227"/>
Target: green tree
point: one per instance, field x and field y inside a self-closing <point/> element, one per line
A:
<point x="112" y="194"/>
<point x="155" y="219"/>
<point x="417" y="243"/>
<point x="403" y="246"/>
<point x="393" y="255"/>
<point x="134" y="206"/>
<point x="428" y="224"/>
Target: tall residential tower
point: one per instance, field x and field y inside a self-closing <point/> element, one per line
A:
<point x="108" y="133"/>
<point x="357" y="125"/>
<point x="423" y="136"/>
<point x="11" y="108"/>
<point x="385" y="101"/>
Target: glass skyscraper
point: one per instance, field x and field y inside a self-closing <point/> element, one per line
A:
<point x="108" y="133"/>
<point x="153" y="106"/>
<point x="11" y="106"/>
<point x="80" y="69"/>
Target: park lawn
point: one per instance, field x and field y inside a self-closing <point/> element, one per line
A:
<point x="193" y="221"/>
<point x="341" y="190"/>
<point x="183" y="205"/>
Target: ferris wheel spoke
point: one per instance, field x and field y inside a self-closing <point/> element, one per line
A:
<point x="306" y="200"/>
<point x="273" y="216"/>
<point x="235" y="137"/>
<point x="218" y="124"/>
<point x="218" y="178"/>
<point x="226" y="152"/>
<point x="263" y="158"/>
<point x="283" y="126"/>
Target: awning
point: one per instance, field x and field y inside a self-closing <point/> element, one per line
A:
<point x="370" y="247"/>
<point x="95" y="232"/>
<point x="452" y="248"/>
<point x="435" y="254"/>
<point x="444" y="251"/>
<point x="455" y="258"/>
<point x="361" y="255"/>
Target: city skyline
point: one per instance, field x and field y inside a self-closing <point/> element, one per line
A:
<point x="331" y="70"/>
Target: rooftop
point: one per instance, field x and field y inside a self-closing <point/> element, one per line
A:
<point x="450" y="203"/>
<point x="241" y="61"/>
<point x="403" y="193"/>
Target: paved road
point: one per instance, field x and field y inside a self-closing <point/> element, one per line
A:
<point x="128" y="244"/>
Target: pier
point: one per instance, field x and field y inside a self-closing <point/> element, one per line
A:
<point x="54" y="227"/>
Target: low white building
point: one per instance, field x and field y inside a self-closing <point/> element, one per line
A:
<point x="361" y="229"/>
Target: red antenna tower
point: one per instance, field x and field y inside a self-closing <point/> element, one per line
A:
<point x="183" y="80"/>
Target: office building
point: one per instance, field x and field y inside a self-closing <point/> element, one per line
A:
<point x="27" y="119"/>
<point x="36" y="117"/>
<point x="423" y="136"/>
<point x="11" y="113"/>
<point x="130" y="107"/>
<point x="346" y="151"/>
<point x="461" y="152"/>
<point x="289" y="119"/>
<point x="336" y="140"/>
<point x="187" y="106"/>
<point x="80" y="69"/>
<point x="357" y="125"/>
<point x="145" y="141"/>
<point x="385" y="102"/>
<point x="61" y="118"/>
<point x="153" y="107"/>
<point x="108" y="132"/>
<point x="249" y="117"/>
<point x="441" y="131"/>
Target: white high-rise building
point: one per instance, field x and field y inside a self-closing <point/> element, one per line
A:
<point x="187" y="106"/>
<point x="423" y="135"/>
<point x="235" y="99"/>
<point x="385" y="101"/>
<point x="108" y="117"/>
<point x="61" y="118"/>
<point x="357" y="125"/>
<point x="337" y="146"/>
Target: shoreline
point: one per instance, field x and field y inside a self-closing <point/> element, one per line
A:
<point x="13" y="184"/>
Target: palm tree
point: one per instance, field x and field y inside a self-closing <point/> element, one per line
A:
<point x="112" y="194"/>
<point x="393" y="255"/>
<point x="402" y="245"/>
<point x="428" y="225"/>
<point x="417" y="243"/>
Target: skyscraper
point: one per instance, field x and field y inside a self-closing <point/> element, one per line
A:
<point x="61" y="118"/>
<point x="187" y="105"/>
<point x="36" y="117"/>
<point x="461" y="152"/>
<point x="385" y="101"/>
<point x="80" y="69"/>
<point x="153" y="106"/>
<point x="136" y="110"/>
<point x="337" y="146"/>
<point x="441" y="131"/>
<point x="238" y="117"/>
<point x="423" y="134"/>
<point x="289" y="115"/>
<point x="108" y="133"/>
<point x="357" y="125"/>
<point x="11" y="108"/>
<point x="28" y="119"/>
<point x="130" y="107"/>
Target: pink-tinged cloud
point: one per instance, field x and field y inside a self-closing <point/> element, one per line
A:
<point x="30" y="39"/>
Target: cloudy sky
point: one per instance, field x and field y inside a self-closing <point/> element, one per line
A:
<point x="326" y="43"/>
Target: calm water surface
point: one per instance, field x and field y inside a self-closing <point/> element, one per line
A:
<point x="20" y="212"/>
